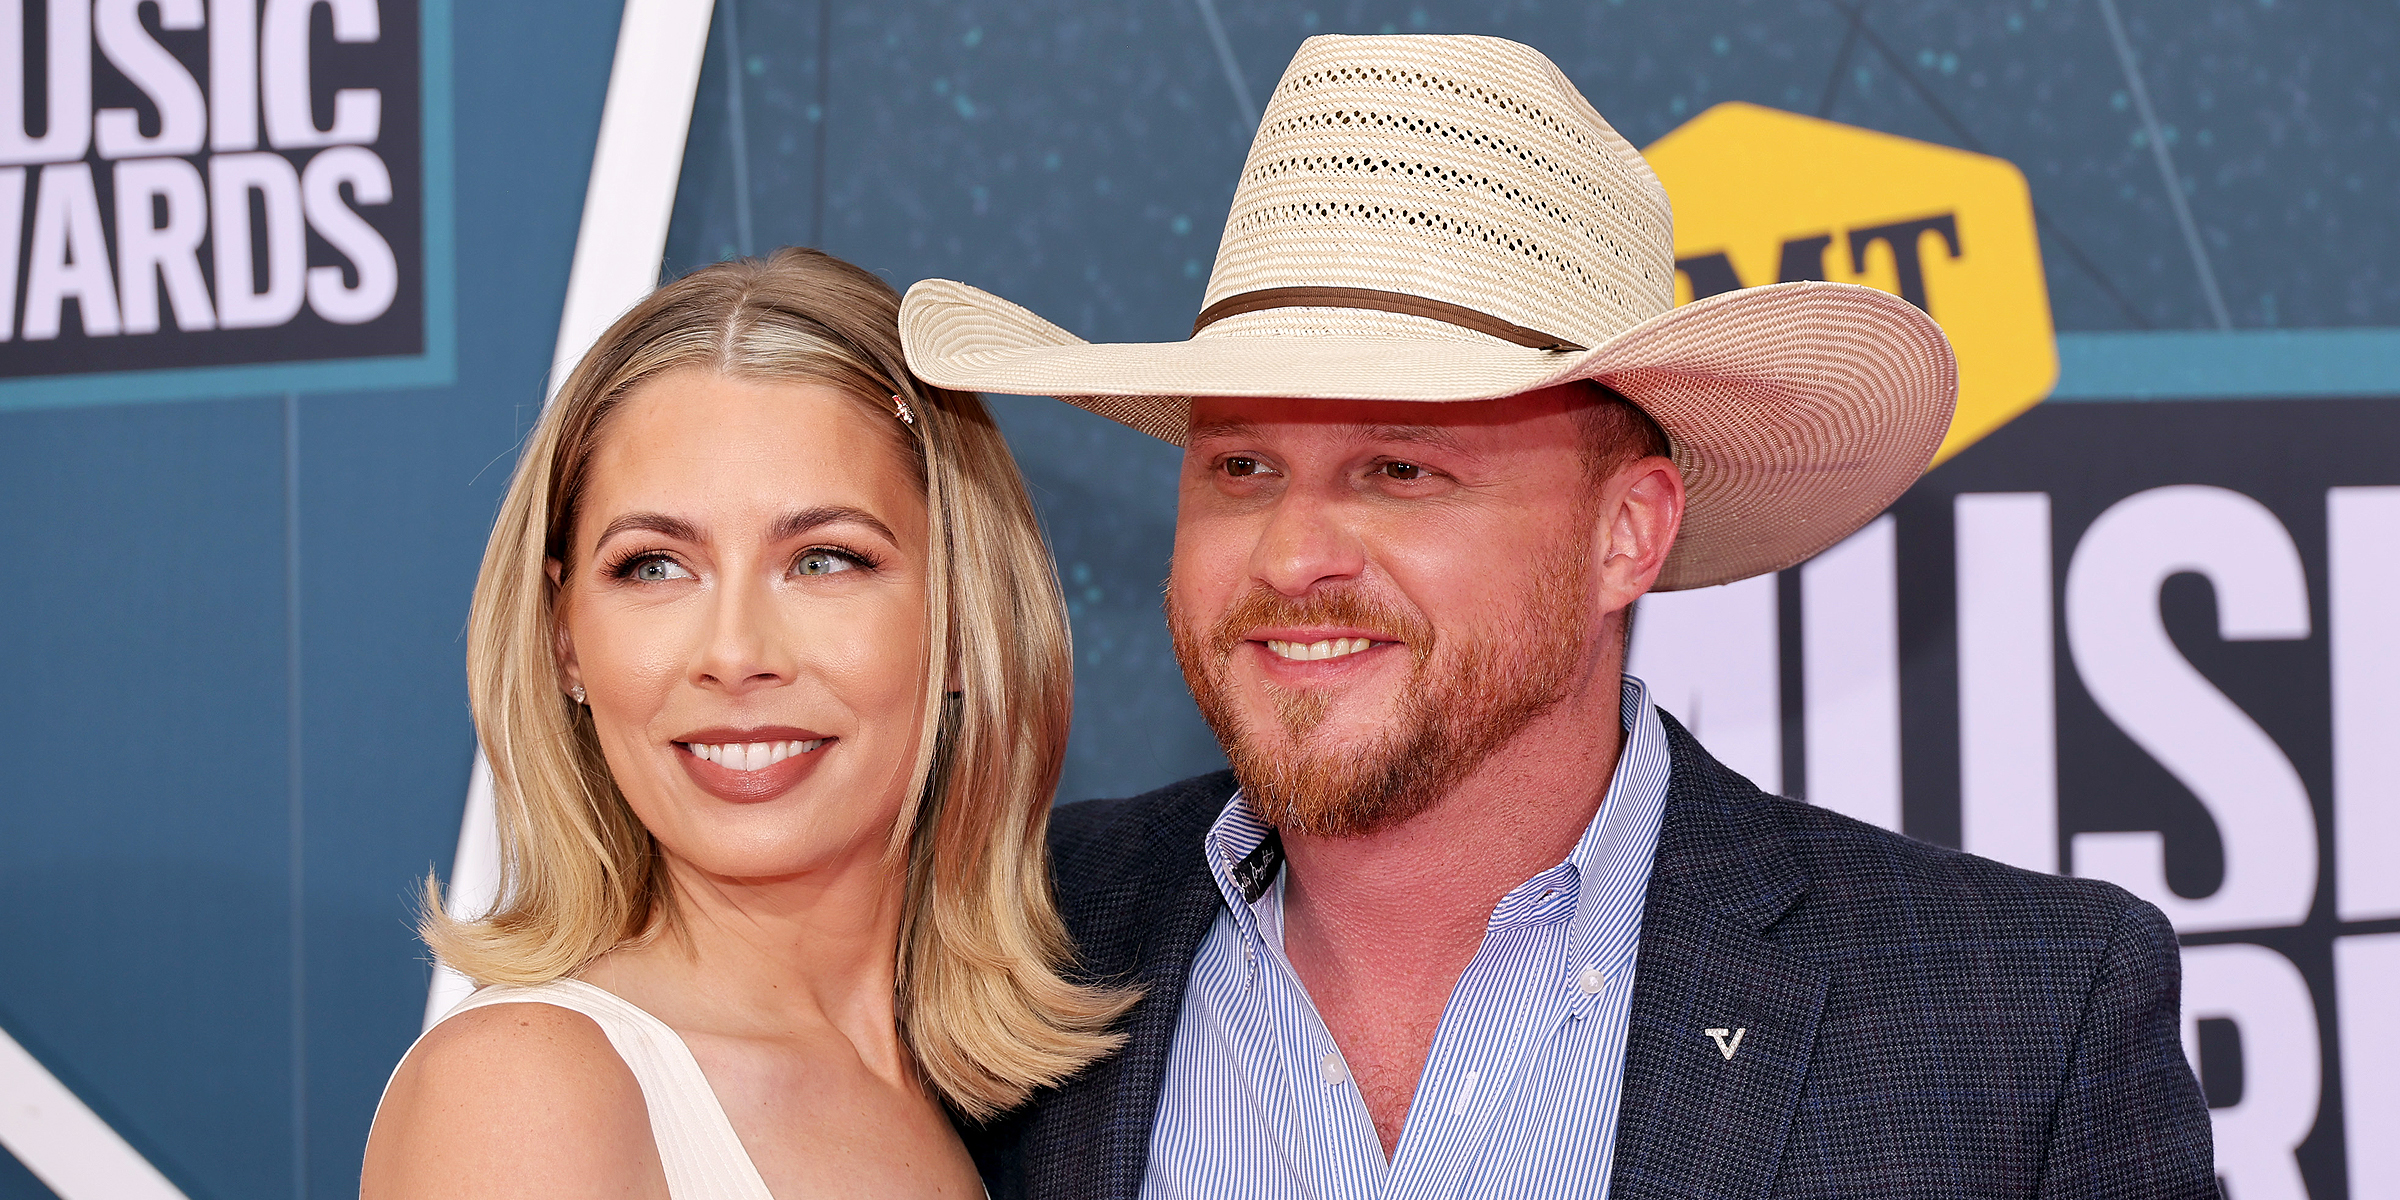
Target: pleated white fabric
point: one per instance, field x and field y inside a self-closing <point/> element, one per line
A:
<point x="703" y="1158"/>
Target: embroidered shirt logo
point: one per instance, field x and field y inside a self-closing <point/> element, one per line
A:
<point x="1726" y="1045"/>
<point x="1257" y="869"/>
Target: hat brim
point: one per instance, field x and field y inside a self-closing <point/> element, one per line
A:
<point x="1797" y="411"/>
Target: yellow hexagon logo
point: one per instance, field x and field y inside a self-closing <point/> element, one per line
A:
<point x="1763" y="196"/>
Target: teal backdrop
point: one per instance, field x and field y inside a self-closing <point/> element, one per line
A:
<point x="236" y="735"/>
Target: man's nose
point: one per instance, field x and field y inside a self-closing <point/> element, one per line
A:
<point x="1306" y="542"/>
<point x="744" y="646"/>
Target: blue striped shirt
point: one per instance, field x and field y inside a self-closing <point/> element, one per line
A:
<point x="1519" y="1094"/>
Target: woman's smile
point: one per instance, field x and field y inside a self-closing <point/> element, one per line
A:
<point x="747" y="766"/>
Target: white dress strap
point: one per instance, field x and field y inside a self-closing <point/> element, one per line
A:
<point x="703" y="1158"/>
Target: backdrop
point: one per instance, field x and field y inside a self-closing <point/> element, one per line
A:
<point x="287" y="276"/>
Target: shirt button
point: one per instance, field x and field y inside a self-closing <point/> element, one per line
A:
<point x="1591" y="981"/>
<point x="1331" y="1069"/>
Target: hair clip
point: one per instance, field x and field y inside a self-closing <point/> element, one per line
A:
<point x="900" y="410"/>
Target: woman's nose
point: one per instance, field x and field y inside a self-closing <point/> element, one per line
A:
<point x="744" y="646"/>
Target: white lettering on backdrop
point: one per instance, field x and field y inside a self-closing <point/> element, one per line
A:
<point x="115" y="283"/>
<point x="2136" y="676"/>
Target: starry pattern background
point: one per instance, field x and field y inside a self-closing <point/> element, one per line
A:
<point x="1078" y="157"/>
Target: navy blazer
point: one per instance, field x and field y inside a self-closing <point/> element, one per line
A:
<point x="1921" y="1022"/>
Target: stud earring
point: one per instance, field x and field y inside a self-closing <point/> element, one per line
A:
<point x="576" y="693"/>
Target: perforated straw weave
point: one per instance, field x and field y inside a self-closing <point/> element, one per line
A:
<point x="1441" y="218"/>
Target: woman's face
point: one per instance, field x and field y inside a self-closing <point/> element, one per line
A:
<point x="745" y="609"/>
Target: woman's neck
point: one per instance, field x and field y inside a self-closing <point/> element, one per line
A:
<point x="799" y="956"/>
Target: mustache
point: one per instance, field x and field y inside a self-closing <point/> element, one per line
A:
<point x="1263" y="606"/>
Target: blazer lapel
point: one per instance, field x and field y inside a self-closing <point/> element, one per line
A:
<point x="1722" y="1021"/>
<point x="1093" y="1139"/>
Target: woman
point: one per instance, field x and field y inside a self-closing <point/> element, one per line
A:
<point x="770" y="664"/>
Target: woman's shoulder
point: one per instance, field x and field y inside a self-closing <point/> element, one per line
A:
<point x="512" y="1099"/>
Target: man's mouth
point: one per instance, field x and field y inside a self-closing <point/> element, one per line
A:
<point x="1341" y="647"/>
<point x="751" y="756"/>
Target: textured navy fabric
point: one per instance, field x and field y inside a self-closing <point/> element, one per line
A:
<point x="1919" y="1022"/>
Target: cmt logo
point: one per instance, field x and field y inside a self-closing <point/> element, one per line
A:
<point x="204" y="182"/>
<point x="1804" y="258"/>
<point x="1949" y="231"/>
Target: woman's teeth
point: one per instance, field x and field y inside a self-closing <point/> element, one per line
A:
<point x="752" y="756"/>
<point x="1311" y="651"/>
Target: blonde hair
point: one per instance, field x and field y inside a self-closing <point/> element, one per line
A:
<point x="981" y="999"/>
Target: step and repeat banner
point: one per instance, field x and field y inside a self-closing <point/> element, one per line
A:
<point x="285" y="277"/>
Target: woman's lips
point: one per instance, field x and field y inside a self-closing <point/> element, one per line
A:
<point x="750" y="765"/>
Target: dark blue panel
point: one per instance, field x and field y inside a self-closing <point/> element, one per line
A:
<point x="145" y="845"/>
<point x="17" y="1183"/>
<point x="397" y="492"/>
<point x="149" y="852"/>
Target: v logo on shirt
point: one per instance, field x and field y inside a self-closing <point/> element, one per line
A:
<point x="1726" y="1046"/>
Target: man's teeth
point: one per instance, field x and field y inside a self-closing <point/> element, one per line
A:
<point x="1311" y="651"/>
<point x="752" y="756"/>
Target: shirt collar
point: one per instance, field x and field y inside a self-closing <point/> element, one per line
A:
<point x="1605" y="877"/>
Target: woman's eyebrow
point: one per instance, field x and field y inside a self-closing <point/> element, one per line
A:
<point x="658" y="523"/>
<point x="797" y="524"/>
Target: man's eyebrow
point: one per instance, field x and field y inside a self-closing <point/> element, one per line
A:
<point x="658" y="523"/>
<point x="796" y="524"/>
<point x="1224" y="427"/>
<point x="1435" y="436"/>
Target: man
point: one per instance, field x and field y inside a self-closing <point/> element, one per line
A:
<point x="1470" y="916"/>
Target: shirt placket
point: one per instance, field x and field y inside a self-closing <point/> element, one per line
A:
<point x="1337" y="1141"/>
<point x="1505" y="1009"/>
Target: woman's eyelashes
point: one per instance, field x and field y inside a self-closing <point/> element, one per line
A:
<point x="658" y="566"/>
<point x="830" y="560"/>
<point x="648" y="566"/>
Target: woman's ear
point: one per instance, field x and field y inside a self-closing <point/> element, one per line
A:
<point x="562" y="645"/>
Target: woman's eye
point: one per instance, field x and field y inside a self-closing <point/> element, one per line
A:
<point x="1404" y="472"/>
<point x="659" y="570"/>
<point x="821" y="562"/>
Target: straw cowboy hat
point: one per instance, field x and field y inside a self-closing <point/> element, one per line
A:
<point x="1446" y="219"/>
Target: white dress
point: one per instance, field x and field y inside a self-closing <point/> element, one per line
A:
<point x="696" y="1144"/>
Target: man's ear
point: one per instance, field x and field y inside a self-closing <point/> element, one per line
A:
<point x="1640" y="511"/>
<point x="562" y="646"/>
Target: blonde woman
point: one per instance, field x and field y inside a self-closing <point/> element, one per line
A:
<point x="771" y="667"/>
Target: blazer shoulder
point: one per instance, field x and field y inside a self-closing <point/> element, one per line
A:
<point x="1761" y="851"/>
<point x="1852" y="863"/>
<point x="1092" y="841"/>
<point x="1119" y="866"/>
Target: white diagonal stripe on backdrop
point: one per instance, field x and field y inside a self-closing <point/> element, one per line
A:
<point x="635" y="167"/>
<point x="2166" y="166"/>
<point x="1232" y="65"/>
<point x="63" y="1142"/>
<point x="618" y="251"/>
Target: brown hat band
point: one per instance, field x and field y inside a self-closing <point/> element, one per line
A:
<point x="1391" y="302"/>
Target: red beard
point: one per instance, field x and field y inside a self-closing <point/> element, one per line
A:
<point x="1451" y="715"/>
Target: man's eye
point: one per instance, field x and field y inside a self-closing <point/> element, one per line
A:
<point x="1404" y="472"/>
<point x="1238" y="466"/>
<point x="821" y="562"/>
<point x="659" y="570"/>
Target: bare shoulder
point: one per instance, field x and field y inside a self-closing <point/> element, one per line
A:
<point x="512" y="1100"/>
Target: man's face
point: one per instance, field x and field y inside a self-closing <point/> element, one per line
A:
<point x="1368" y="598"/>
